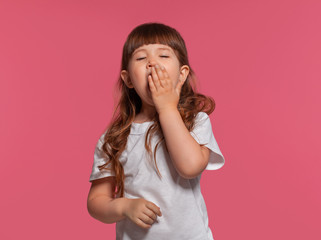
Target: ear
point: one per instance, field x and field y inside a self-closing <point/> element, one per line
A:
<point x="184" y="71"/>
<point x="125" y="77"/>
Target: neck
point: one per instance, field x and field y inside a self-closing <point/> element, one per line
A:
<point x="146" y="113"/>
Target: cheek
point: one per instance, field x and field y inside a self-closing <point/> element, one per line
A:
<point x="137" y="73"/>
<point x="173" y="73"/>
<point x="139" y="78"/>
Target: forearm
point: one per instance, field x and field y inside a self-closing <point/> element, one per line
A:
<point x="184" y="151"/>
<point x="107" y="210"/>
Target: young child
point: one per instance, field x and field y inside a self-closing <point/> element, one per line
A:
<point x="148" y="163"/>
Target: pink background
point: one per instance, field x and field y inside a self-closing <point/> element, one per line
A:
<point x="259" y="60"/>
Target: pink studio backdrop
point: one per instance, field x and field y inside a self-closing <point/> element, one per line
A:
<point x="259" y="60"/>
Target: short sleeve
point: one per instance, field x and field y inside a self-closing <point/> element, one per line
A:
<point x="100" y="158"/>
<point x="203" y="134"/>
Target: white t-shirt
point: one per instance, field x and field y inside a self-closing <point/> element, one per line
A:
<point x="184" y="213"/>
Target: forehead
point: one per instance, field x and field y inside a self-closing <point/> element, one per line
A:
<point x="152" y="47"/>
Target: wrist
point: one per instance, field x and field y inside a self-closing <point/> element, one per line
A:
<point x="167" y="111"/>
<point x="169" y="115"/>
<point x="124" y="206"/>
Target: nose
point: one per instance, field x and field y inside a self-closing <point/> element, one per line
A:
<point x="150" y="64"/>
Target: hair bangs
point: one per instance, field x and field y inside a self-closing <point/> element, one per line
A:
<point x="153" y="34"/>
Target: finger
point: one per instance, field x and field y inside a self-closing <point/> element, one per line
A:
<point x="141" y="223"/>
<point x="166" y="76"/>
<point x="150" y="214"/>
<point x="154" y="208"/>
<point x="160" y="74"/>
<point x="146" y="219"/>
<point x="151" y="84"/>
<point x="155" y="79"/>
<point x="165" y="73"/>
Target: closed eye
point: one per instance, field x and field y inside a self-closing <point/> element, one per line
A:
<point x="163" y="56"/>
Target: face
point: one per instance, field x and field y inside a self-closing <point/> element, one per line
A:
<point x="139" y="68"/>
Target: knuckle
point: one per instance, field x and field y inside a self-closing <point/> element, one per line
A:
<point x="146" y="225"/>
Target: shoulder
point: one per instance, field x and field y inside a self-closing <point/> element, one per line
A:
<point x="202" y="123"/>
<point x="201" y="116"/>
<point x="101" y="140"/>
<point x="102" y="136"/>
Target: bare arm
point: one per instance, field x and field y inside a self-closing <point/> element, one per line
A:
<point x="100" y="203"/>
<point x="106" y="209"/>
<point x="189" y="158"/>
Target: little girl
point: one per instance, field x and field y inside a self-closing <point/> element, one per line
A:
<point x="148" y="163"/>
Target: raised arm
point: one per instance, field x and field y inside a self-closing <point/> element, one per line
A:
<point x="188" y="157"/>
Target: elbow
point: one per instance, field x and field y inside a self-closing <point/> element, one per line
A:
<point x="188" y="176"/>
<point x="192" y="172"/>
<point x="91" y="211"/>
<point x="89" y="208"/>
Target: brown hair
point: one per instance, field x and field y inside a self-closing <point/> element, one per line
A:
<point x="129" y="103"/>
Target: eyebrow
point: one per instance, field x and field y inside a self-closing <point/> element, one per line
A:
<point x="143" y="49"/>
